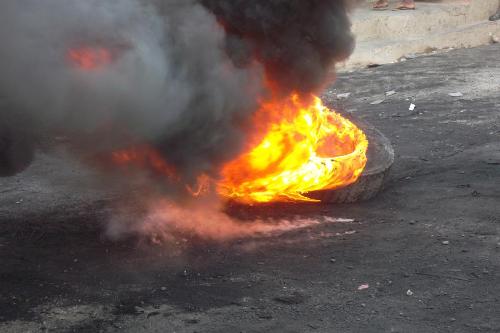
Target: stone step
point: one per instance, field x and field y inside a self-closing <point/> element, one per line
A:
<point x="429" y="18"/>
<point x="384" y="37"/>
<point x="389" y="51"/>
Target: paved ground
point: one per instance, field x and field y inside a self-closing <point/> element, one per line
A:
<point x="427" y="249"/>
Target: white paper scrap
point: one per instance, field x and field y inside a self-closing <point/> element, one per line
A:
<point x="344" y="95"/>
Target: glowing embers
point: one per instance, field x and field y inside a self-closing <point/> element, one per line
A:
<point x="144" y="158"/>
<point x="303" y="147"/>
<point x="90" y="58"/>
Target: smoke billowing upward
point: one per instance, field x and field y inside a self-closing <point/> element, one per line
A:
<point x="183" y="76"/>
<point x="297" y="41"/>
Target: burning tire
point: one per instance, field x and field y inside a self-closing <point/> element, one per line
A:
<point x="380" y="159"/>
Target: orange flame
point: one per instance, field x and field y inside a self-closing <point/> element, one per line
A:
<point x="144" y="157"/>
<point x="305" y="148"/>
<point x="299" y="146"/>
<point x="90" y="58"/>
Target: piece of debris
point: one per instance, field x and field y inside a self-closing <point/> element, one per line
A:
<point x="409" y="292"/>
<point x="291" y="299"/>
<point x="152" y="314"/>
<point x="265" y="315"/>
<point x="456" y="94"/>
<point x="373" y="65"/>
<point x="494" y="38"/>
<point x="412" y="107"/>
<point x="330" y="219"/>
<point x="390" y="93"/>
<point x="492" y="161"/>
<point x="343" y="96"/>
<point x="378" y="101"/>
<point x="410" y="56"/>
<point x="364" y="286"/>
<point x="333" y="260"/>
<point x="163" y="288"/>
<point x="20" y="201"/>
<point x="139" y="309"/>
<point x="445" y="242"/>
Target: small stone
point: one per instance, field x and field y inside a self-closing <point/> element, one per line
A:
<point x="456" y="94"/>
<point x="412" y="107"/>
<point x="378" y="101"/>
<point x="409" y="292"/>
<point x="494" y="39"/>
<point x="445" y="242"/>
<point x="163" y="288"/>
<point x="333" y="260"/>
<point x="390" y="93"/>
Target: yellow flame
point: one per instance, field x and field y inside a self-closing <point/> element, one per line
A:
<point x="307" y="148"/>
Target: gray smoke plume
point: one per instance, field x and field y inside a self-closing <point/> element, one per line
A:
<point x="185" y="76"/>
<point x="171" y="78"/>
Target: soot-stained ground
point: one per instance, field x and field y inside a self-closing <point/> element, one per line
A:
<point x="423" y="256"/>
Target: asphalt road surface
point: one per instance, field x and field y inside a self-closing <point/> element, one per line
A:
<point x="423" y="256"/>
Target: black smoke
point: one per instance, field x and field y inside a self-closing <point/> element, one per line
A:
<point x="297" y="41"/>
<point x="187" y="80"/>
